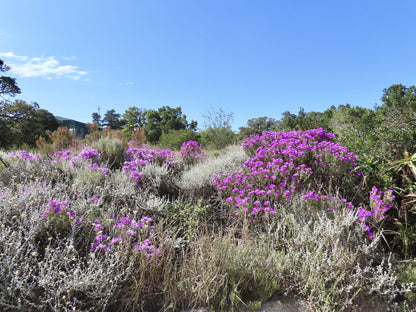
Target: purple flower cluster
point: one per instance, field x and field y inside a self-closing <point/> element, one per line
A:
<point x="141" y="156"/>
<point x="378" y="205"/>
<point x="61" y="156"/>
<point x="23" y="155"/>
<point x="88" y="154"/>
<point x="127" y="232"/>
<point x="191" y="152"/>
<point x="57" y="208"/>
<point x="281" y="163"/>
<point x="56" y="211"/>
<point x="96" y="167"/>
<point x="85" y="154"/>
<point x="380" y="202"/>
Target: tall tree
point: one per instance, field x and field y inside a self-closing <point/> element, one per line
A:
<point x="96" y="118"/>
<point x="152" y="126"/>
<point x="133" y="117"/>
<point x="164" y="120"/>
<point x="305" y="121"/>
<point x="400" y="96"/>
<point x="7" y="84"/>
<point x="398" y="113"/>
<point x="173" y="119"/>
<point x="112" y="119"/>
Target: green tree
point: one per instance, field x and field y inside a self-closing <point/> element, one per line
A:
<point x="400" y="96"/>
<point x="22" y="123"/>
<point x="398" y="119"/>
<point x="96" y="118"/>
<point x="305" y="121"/>
<point x="7" y="84"/>
<point x="174" y="119"/>
<point x="258" y="126"/>
<point x="164" y="120"/>
<point x="288" y="121"/>
<point x="112" y="119"/>
<point x="152" y="126"/>
<point x="133" y="118"/>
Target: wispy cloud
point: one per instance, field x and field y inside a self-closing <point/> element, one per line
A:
<point x="11" y="55"/>
<point x="47" y="67"/>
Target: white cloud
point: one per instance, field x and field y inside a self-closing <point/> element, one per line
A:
<point x="46" y="67"/>
<point x="13" y="56"/>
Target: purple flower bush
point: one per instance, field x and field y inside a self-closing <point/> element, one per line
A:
<point x="123" y="232"/>
<point x="281" y="165"/>
<point x="380" y="202"/>
<point x="369" y="215"/>
<point x="23" y="155"/>
<point x="128" y="233"/>
<point x="91" y="156"/>
<point x="191" y="152"/>
<point x="138" y="157"/>
<point x="61" y="156"/>
<point x="88" y="154"/>
<point x="284" y="164"/>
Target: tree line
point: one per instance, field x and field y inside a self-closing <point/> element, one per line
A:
<point x="388" y="129"/>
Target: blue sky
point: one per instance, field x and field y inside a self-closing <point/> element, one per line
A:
<point x="250" y="58"/>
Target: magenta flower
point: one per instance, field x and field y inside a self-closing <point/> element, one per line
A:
<point x="191" y="152"/>
<point x="115" y="240"/>
<point x="23" y="155"/>
<point x="140" y="157"/>
<point x="97" y="226"/>
<point x="88" y="154"/>
<point x="280" y="163"/>
<point x="130" y="233"/>
<point x="99" y="238"/>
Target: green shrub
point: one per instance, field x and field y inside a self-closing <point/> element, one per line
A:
<point x="111" y="150"/>
<point x="174" y="138"/>
<point x="188" y="218"/>
<point x="219" y="137"/>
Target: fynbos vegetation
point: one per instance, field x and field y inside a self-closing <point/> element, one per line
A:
<point x="165" y="231"/>
<point x="317" y="207"/>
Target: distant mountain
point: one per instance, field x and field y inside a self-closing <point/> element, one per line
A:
<point x="79" y="128"/>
